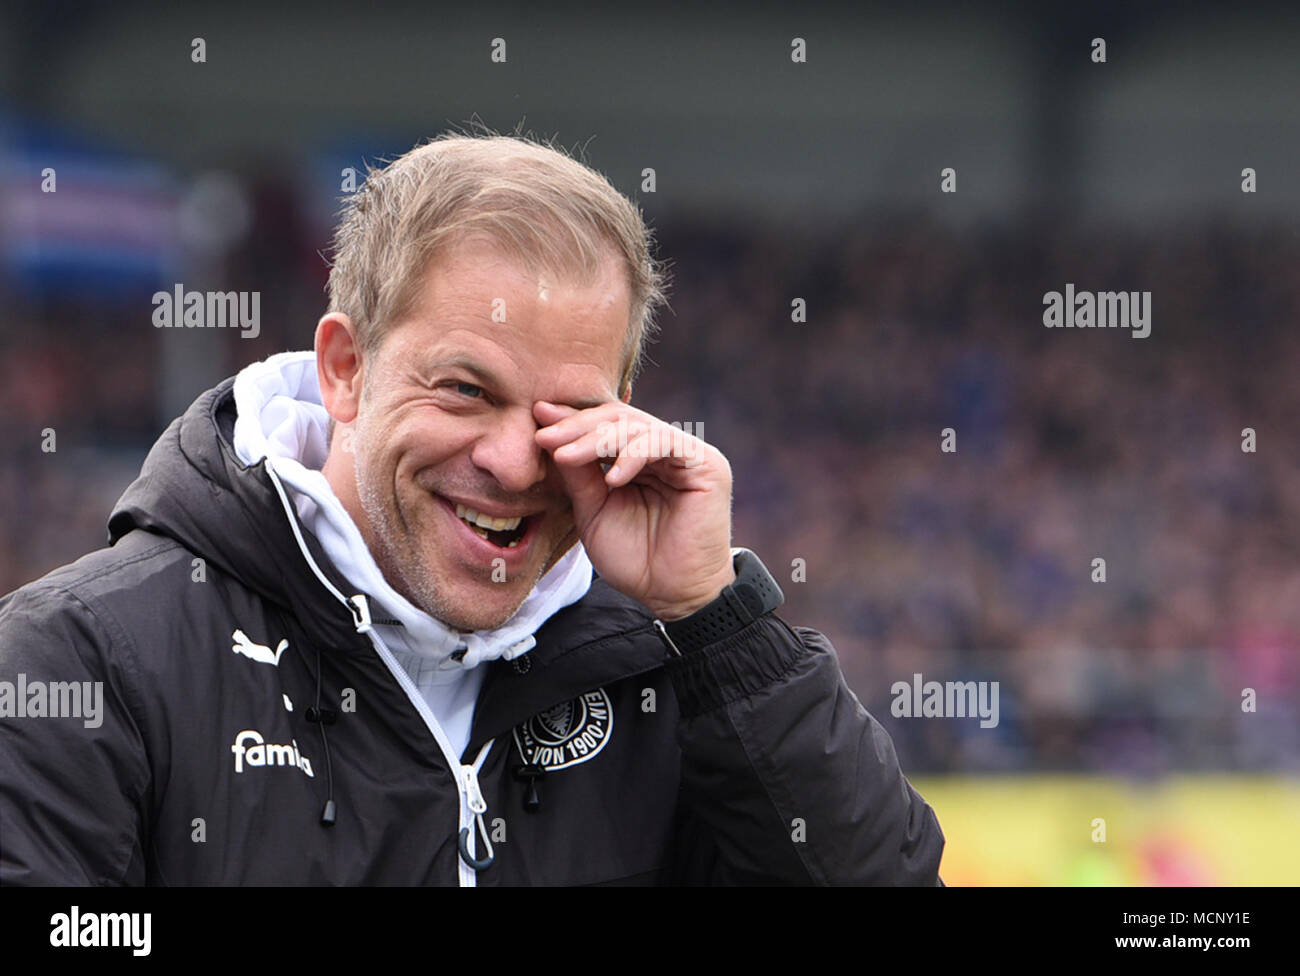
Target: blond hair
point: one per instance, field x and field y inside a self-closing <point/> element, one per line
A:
<point x="546" y="209"/>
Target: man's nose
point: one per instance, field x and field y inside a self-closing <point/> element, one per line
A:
<point x="508" y="451"/>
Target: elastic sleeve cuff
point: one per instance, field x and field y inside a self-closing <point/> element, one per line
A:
<point x="734" y="667"/>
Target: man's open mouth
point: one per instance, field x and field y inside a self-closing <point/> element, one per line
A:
<point x="502" y="532"/>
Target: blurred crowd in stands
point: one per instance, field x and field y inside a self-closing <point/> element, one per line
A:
<point x="976" y="564"/>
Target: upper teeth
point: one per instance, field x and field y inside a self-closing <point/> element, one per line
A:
<point x="487" y="521"/>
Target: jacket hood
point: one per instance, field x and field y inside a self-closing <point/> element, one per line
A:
<point x="194" y="489"/>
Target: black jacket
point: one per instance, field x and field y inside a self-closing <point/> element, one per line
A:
<point x="746" y="761"/>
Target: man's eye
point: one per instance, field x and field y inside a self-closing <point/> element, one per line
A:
<point x="469" y="389"/>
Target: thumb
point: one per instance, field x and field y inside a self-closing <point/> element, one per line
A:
<point x="585" y="485"/>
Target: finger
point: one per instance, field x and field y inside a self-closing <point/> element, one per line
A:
<point x="634" y="457"/>
<point x="579" y="422"/>
<point x="547" y="413"/>
<point x="605" y="443"/>
<point x="632" y="447"/>
<point x="585" y="486"/>
<point x="654" y="446"/>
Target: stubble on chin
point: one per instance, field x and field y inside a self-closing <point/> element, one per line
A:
<point x="408" y="574"/>
<point x="390" y="546"/>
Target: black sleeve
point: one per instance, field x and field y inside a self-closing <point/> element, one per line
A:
<point x="786" y="778"/>
<point x="71" y="788"/>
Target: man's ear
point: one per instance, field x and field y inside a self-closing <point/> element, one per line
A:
<point x="338" y="367"/>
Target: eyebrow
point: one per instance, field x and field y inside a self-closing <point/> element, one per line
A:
<point x="489" y="378"/>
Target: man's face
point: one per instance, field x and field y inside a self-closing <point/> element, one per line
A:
<point x="445" y="428"/>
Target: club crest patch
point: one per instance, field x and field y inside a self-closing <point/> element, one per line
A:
<point x="568" y="733"/>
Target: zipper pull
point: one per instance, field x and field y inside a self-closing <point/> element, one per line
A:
<point x="360" y="608"/>
<point x="477" y="806"/>
<point x="472" y="792"/>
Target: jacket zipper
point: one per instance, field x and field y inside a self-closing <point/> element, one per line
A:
<point x="472" y="805"/>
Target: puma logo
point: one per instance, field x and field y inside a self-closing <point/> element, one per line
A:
<point x="258" y="652"/>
